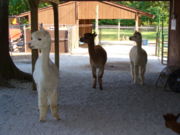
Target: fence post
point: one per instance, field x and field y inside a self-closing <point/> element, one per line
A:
<point x="119" y="27"/>
<point x="97" y="25"/>
<point x="24" y="33"/>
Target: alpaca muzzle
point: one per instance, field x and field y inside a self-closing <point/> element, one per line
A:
<point x="30" y="45"/>
<point x="81" y="39"/>
<point x="130" y="38"/>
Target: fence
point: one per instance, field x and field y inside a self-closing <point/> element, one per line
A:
<point x="162" y="44"/>
<point x="115" y="33"/>
<point x="68" y="39"/>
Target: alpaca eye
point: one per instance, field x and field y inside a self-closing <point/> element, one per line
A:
<point x="39" y="39"/>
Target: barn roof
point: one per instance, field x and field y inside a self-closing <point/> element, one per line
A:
<point x="107" y="10"/>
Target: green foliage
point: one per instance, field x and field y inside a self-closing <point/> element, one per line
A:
<point x="159" y="9"/>
<point x="20" y="6"/>
<point x="112" y="34"/>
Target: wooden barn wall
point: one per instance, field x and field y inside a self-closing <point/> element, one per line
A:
<point x="174" y="47"/>
<point x="46" y="16"/>
<point x="113" y="12"/>
<point x="85" y="26"/>
<point x="67" y="13"/>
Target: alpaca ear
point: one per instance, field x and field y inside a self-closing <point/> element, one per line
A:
<point x="94" y="34"/>
<point x="136" y="31"/>
<point x="41" y="26"/>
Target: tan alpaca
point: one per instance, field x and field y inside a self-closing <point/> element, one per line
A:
<point x="171" y="122"/>
<point x="98" y="58"/>
<point x="45" y="75"/>
<point x="138" y="59"/>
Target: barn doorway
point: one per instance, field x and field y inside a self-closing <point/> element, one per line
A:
<point x="155" y="31"/>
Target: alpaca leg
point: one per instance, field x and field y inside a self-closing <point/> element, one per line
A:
<point x="132" y="70"/>
<point x="100" y="75"/>
<point x="43" y="105"/>
<point x="142" y="72"/>
<point x="94" y="76"/>
<point x="136" y="72"/>
<point x="54" y="105"/>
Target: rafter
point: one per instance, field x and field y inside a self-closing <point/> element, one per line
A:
<point x="53" y="1"/>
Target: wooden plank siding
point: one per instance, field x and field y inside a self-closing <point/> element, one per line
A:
<point x="67" y="13"/>
<point x="46" y="16"/>
<point x="85" y="26"/>
<point x="87" y="10"/>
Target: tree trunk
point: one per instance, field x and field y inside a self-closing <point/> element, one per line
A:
<point x="8" y="70"/>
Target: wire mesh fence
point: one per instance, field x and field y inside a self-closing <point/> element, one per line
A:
<point x="114" y="33"/>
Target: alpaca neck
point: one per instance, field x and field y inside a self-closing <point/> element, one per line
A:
<point x="175" y="126"/>
<point x="91" y="49"/>
<point x="139" y="44"/>
<point x="45" y="59"/>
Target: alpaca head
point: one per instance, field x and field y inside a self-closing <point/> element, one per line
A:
<point x="137" y="37"/>
<point x="40" y="39"/>
<point x="88" y="37"/>
<point x="169" y="118"/>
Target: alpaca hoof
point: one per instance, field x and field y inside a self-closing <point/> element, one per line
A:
<point x="94" y="87"/>
<point x="57" y="117"/>
<point x="42" y="120"/>
<point x="101" y="88"/>
<point x="142" y="83"/>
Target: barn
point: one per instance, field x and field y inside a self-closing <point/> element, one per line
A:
<point x="81" y="15"/>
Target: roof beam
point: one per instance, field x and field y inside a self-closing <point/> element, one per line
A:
<point x="53" y="1"/>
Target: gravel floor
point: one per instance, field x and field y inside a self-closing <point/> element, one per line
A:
<point x="122" y="108"/>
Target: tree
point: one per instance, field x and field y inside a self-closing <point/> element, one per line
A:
<point x="8" y="69"/>
<point x="156" y="8"/>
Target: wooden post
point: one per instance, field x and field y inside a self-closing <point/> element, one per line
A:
<point x="56" y="32"/>
<point x="97" y="25"/>
<point x="174" y="40"/>
<point x="162" y="41"/>
<point x="76" y="28"/>
<point x="34" y="27"/>
<point x="119" y="27"/>
<point x="137" y="22"/>
<point x="24" y="33"/>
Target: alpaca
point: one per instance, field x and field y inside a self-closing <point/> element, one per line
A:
<point x="46" y="75"/>
<point x="98" y="58"/>
<point x="138" y="59"/>
<point x="171" y="122"/>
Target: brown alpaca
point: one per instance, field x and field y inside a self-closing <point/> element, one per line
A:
<point x="98" y="58"/>
<point x="171" y="122"/>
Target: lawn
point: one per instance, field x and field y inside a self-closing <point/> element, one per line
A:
<point x="112" y="34"/>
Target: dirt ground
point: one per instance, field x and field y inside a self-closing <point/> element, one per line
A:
<point x="122" y="108"/>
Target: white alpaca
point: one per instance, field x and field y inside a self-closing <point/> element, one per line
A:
<point x="138" y="59"/>
<point x="45" y="75"/>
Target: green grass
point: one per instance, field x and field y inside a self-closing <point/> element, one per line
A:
<point x="112" y="34"/>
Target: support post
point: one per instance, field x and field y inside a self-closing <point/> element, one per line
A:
<point x="34" y="27"/>
<point x="56" y="32"/>
<point x="25" y="43"/>
<point x="97" y="25"/>
<point x="137" y="22"/>
<point x="119" y="27"/>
